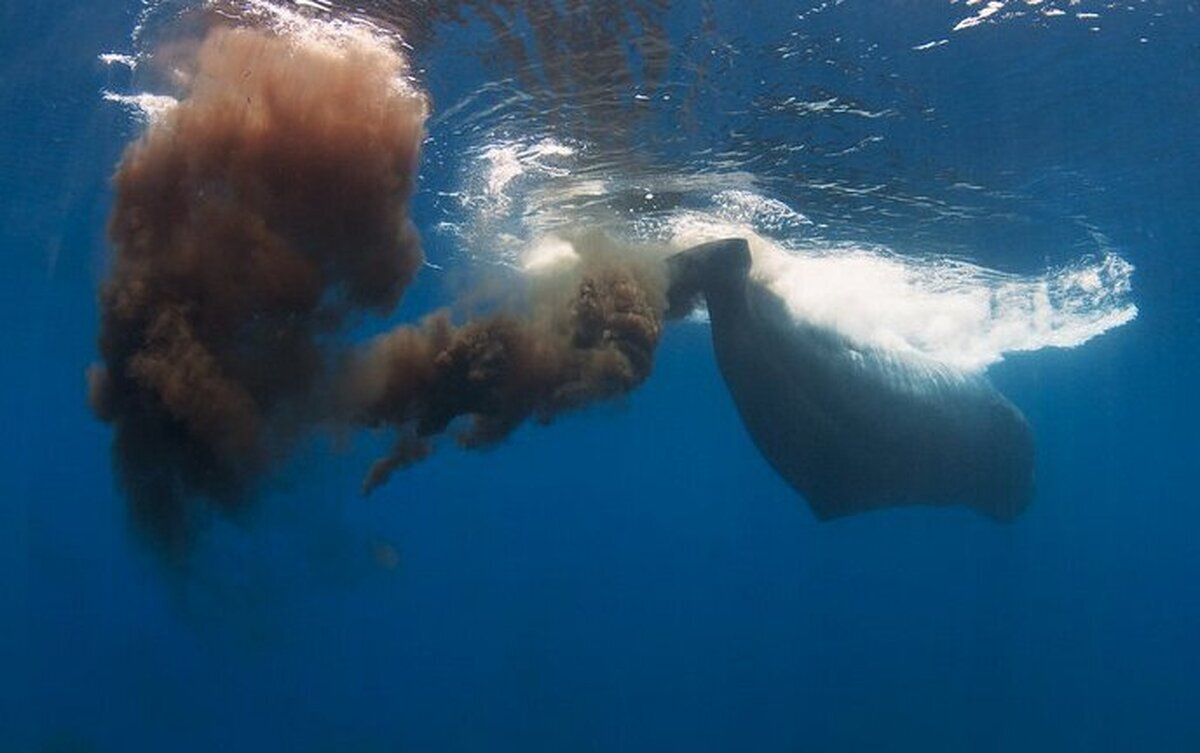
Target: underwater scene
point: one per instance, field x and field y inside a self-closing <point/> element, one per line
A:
<point x="624" y="375"/>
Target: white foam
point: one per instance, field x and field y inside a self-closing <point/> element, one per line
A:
<point x="549" y="254"/>
<point x="953" y="312"/>
<point x="117" y="58"/>
<point x="145" y="107"/>
<point x="982" y="15"/>
<point x="507" y="161"/>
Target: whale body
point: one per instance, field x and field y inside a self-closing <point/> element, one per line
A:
<point x="853" y="428"/>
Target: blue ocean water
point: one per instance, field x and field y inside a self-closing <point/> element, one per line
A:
<point x="635" y="576"/>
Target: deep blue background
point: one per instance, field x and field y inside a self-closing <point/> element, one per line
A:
<point x="634" y="578"/>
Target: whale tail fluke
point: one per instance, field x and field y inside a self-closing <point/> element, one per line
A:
<point x="705" y="271"/>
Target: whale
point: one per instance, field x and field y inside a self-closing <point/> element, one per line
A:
<point x="852" y="427"/>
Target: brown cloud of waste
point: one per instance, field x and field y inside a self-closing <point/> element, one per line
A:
<point x="252" y="222"/>
<point x="585" y="338"/>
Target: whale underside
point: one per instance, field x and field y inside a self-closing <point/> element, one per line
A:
<point x="853" y="428"/>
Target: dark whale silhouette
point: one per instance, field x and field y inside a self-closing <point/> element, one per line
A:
<point x="853" y="428"/>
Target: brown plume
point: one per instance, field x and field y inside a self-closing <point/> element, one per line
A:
<point x="589" y="339"/>
<point x="250" y="221"/>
